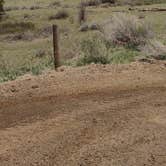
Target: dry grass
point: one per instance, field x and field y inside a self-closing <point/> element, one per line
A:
<point x="154" y="49"/>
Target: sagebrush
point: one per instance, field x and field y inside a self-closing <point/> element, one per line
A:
<point x="127" y="30"/>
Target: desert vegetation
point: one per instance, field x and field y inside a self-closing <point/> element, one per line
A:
<point x="1" y="8"/>
<point x="92" y="31"/>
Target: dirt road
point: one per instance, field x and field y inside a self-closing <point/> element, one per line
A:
<point x="90" y="116"/>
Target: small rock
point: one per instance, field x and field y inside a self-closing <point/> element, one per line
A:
<point x="35" y="86"/>
<point x="40" y="53"/>
<point x="83" y="28"/>
<point x="93" y="26"/>
<point x="13" y="90"/>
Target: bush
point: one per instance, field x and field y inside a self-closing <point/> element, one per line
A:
<point x="1" y="8"/>
<point x="127" y="30"/>
<point x="97" y="2"/>
<point x="155" y="49"/>
<point x="92" y="3"/>
<point x="61" y="14"/>
<point x="10" y="8"/>
<point x="12" y="27"/>
<point x="140" y="2"/>
<point x="34" y="7"/>
<point x="108" y="1"/>
<point x="55" y="3"/>
<point x="93" y="50"/>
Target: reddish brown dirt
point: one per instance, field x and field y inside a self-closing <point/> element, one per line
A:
<point x="90" y="116"/>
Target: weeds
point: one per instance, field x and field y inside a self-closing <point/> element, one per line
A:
<point x="13" y="27"/>
<point x="93" y="50"/>
<point x="96" y="49"/>
<point x="139" y="2"/>
<point x="122" y="55"/>
<point x="97" y="2"/>
<point x="10" y="72"/>
<point x="154" y="49"/>
<point x="55" y="3"/>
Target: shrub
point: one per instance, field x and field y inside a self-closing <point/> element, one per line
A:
<point x="140" y="2"/>
<point x="40" y="53"/>
<point x="61" y="14"/>
<point x="12" y="27"/>
<point x="155" y="49"/>
<point x="34" y="7"/>
<point x="1" y="8"/>
<point x="93" y="50"/>
<point x="10" y="8"/>
<point x="55" y="3"/>
<point x="92" y="3"/>
<point x="97" y="2"/>
<point x="127" y="30"/>
<point x="26" y="36"/>
<point x="1" y="5"/>
<point x="108" y="1"/>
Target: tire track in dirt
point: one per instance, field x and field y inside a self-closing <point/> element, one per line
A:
<point x="33" y="111"/>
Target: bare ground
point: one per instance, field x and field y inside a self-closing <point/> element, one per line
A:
<point x="89" y="116"/>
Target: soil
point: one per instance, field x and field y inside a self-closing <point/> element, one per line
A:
<point x="98" y="115"/>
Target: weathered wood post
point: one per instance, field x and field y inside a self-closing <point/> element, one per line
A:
<point x="81" y="13"/>
<point x="56" y="46"/>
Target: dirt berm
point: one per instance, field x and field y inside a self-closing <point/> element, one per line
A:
<point x="113" y="115"/>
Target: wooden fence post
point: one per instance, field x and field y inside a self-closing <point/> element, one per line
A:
<point x="81" y="13"/>
<point x="56" y="46"/>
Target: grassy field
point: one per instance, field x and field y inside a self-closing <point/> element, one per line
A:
<point x="29" y="49"/>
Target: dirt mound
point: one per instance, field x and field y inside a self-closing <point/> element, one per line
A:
<point x="95" y="115"/>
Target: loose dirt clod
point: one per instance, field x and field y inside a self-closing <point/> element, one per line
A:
<point x="35" y="86"/>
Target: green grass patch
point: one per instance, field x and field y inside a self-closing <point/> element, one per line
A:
<point x="10" y="71"/>
<point x="123" y="55"/>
